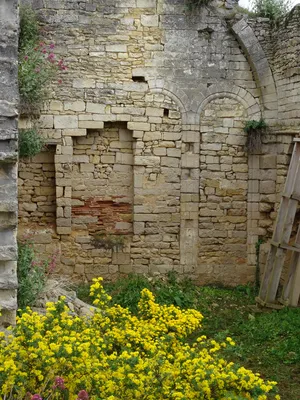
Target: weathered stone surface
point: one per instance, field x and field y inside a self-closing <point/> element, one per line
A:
<point x="8" y="158"/>
<point x="148" y="127"/>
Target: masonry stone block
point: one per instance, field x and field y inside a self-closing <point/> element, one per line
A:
<point x="149" y="20"/>
<point x="268" y="161"/>
<point x="147" y="160"/>
<point x="116" y="48"/>
<point x="65" y="121"/>
<point x="267" y="187"/>
<point x="91" y="124"/>
<point x="190" y="161"/>
<point x="138" y="126"/>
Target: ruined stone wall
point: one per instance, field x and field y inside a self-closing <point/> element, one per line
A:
<point x="148" y="129"/>
<point x="281" y="44"/>
<point x="8" y="159"/>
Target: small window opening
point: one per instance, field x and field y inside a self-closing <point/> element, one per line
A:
<point x="166" y="112"/>
<point x="139" y="79"/>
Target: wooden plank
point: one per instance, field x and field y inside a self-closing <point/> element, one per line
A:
<point x="275" y="279"/>
<point x="281" y="237"/>
<point x="290" y="278"/>
<point x="295" y="290"/>
<point x="291" y="248"/>
<point x="270" y="305"/>
<point x="267" y="273"/>
<point x="288" y="223"/>
<point x="292" y="270"/>
<point x="296" y="191"/>
<point x="281" y="216"/>
<point x="292" y="172"/>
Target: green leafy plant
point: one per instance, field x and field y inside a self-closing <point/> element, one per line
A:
<point x="32" y="273"/>
<point x="30" y="143"/>
<point x="272" y="9"/>
<point x="168" y="290"/>
<point x="37" y="63"/>
<point x="255" y="131"/>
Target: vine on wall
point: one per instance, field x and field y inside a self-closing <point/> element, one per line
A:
<point x="38" y="67"/>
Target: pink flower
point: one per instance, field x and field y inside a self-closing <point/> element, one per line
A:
<point x="41" y="44"/>
<point x="59" y="383"/>
<point x="26" y="58"/>
<point x="36" y="397"/>
<point x="51" y="55"/>
<point x="52" y="46"/>
<point x="44" y="51"/>
<point x="82" y="395"/>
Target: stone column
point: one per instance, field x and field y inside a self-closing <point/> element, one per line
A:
<point x="189" y="231"/>
<point x="8" y="159"/>
<point x="63" y="177"/>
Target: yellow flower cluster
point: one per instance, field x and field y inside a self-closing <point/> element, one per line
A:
<point x="114" y="355"/>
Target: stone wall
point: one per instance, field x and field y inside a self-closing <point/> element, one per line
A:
<point x="151" y="171"/>
<point x="8" y="159"/>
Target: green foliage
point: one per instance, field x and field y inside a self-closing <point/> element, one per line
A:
<point x="169" y="290"/>
<point x="31" y="275"/>
<point x="255" y="131"/>
<point x="266" y="340"/>
<point x="30" y="143"/>
<point x="29" y="27"/>
<point x="37" y="63"/>
<point x="272" y="9"/>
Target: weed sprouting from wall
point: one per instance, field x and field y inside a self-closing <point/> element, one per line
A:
<point x="37" y="63"/>
<point x="37" y="68"/>
<point x="30" y="143"/>
<point x="32" y="273"/>
<point x="255" y="131"/>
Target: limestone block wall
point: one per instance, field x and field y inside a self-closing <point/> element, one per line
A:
<point x="223" y="199"/>
<point x="8" y="159"/>
<point x="148" y="130"/>
<point x="282" y="48"/>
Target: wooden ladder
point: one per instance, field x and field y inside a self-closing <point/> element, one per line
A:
<point x="280" y="244"/>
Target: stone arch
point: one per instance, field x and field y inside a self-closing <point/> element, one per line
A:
<point x="260" y="66"/>
<point x="244" y="97"/>
<point x="173" y="91"/>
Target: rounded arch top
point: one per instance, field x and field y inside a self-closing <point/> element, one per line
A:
<point x="237" y="93"/>
<point x="170" y="89"/>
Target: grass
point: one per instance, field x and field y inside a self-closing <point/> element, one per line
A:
<point x="267" y="341"/>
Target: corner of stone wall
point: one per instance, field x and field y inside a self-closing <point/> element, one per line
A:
<point x="8" y="159"/>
